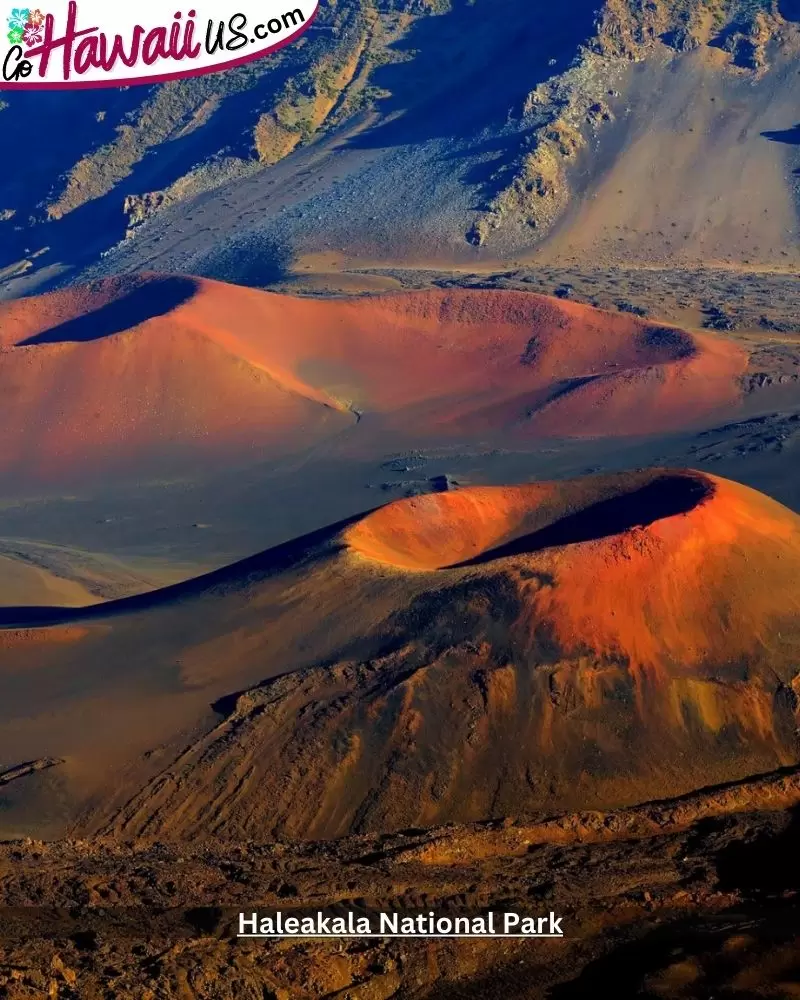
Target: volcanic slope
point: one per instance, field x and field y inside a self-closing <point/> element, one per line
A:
<point x="137" y="377"/>
<point x="464" y="655"/>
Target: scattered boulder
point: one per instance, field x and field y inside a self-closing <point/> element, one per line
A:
<point x="718" y="319"/>
<point x="140" y="207"/>
<point x="629" y="307"/>
<point x="681" y="39"/>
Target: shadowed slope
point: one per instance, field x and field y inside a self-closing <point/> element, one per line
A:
<point x="669" y="496"/>
<point x="232" y="580"/>
<point x="138" y="305"/>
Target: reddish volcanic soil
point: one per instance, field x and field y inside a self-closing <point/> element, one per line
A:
<point x="456" y="657"/>
<point x="689" y="553"/>
<point x="142" y="375"/>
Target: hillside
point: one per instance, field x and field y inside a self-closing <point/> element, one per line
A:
<point x="444" y="658"/>
<point x="137" y="376"/>
<point x="664" y="132"/>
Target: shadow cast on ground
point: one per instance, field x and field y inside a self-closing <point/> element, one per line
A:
<point x="667" y="496"/>
<point x="446" y="84"/>
<point x="787" y="136"/>
<point x="151" y="299"/>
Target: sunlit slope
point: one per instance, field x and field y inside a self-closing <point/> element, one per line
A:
<point x="143" y="376"/>
<point x="588" y="643"/>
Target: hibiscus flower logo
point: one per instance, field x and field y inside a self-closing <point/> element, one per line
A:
<point x="18" y="18"/>
<point x="32" y="35"/>
<point x="16" y="24"/>
<point x="25" y="25"/>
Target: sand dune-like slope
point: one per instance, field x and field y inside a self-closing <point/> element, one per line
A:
<point x="39" y="573"/>
<point x="121" y="376"/>
<point x="23" y="583"/>
<point x="697" y="169"/>
<point x="476" y="653"/>
<point x="143" y="375"/>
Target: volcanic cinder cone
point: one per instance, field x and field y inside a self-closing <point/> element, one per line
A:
<point x="463" y="655"/>
<point x="136" y="376"/>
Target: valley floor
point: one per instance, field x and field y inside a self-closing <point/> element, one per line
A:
<point x="689" y="898"/>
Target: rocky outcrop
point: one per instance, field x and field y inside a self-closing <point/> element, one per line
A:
<point x="566" y="111"/>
